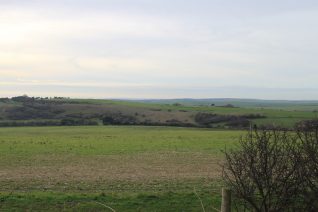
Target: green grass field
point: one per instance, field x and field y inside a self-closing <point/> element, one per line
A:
<point x="126" y="168"/>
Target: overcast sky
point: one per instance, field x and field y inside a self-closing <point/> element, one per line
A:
<point x="159" y="49"/>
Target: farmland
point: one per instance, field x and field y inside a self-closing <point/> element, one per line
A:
<point x="125" y="167"/>
<point x="25" y="111"/>
<point x="138" y="156"/>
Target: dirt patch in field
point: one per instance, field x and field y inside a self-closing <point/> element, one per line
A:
<point x="137" y="168"/>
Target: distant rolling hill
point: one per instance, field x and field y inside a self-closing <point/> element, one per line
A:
<point x="207" y="113"/>
<point x="277" y="104"/>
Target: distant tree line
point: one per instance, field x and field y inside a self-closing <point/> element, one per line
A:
<point x="233" y="121"/>
<point x="120" y="119"/>
<point x="62" y="122"/>
<point x="26" y="98"/>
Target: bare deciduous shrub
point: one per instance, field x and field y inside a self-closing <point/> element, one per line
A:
<point x="264" y="172"/>
<point x="307" y="133"/>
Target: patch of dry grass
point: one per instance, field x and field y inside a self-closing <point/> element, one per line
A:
<point x="136" y="168"/>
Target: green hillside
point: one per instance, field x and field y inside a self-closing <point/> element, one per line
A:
<point x="234" y="114"/>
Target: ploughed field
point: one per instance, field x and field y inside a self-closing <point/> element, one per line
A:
<point x="129" y="168"/>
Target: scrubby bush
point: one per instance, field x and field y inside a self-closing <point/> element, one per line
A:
<point x="307" y="132"/>
<point x="275" y="170"/>
<point x="78" y="122"/>
<point x="30" y="123"/>
<point x="234" y="121"/>
<point x="119" y="119"/>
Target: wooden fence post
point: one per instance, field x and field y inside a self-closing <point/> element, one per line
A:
<point x="226" y="200"/>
